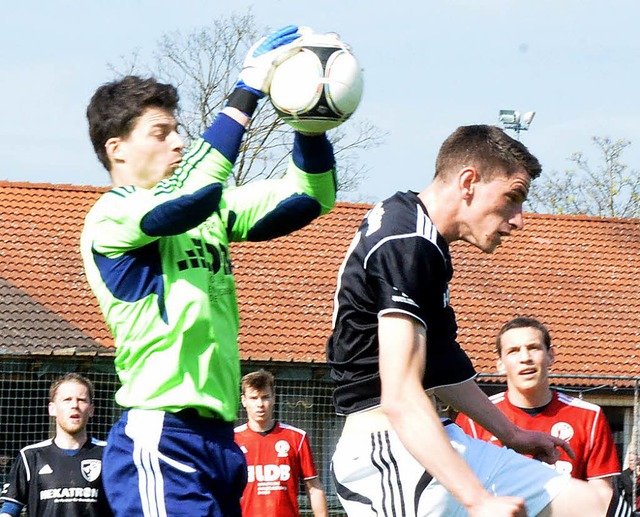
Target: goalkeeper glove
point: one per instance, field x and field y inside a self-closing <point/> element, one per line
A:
<point x="263" y="58"/>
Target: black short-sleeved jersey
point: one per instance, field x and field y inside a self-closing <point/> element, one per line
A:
<point x="52" y="483"/>
<point x="397" y="263"/>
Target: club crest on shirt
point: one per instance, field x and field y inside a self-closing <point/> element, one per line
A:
<point x="564" y="467"/>
<point x="91" y="469"/>
<point x="562" y="430"/>
<point x="282" y="448"/>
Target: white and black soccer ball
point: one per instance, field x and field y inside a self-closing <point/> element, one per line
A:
<point x="319" y="87"/>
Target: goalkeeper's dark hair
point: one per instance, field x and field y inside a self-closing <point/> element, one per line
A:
<point x="115" y="107"/>
<point x="260" y="380"/>
<point x="487" y="148"/>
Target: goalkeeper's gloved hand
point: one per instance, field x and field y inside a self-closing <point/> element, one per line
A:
<point x="263" y="58"/>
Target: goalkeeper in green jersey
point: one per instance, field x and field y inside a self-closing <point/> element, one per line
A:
<point x="156" y="254"/>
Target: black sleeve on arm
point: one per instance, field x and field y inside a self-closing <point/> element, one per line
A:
<point x="400" y="270"/>
<point x="410" y="276"/>
<point x="15" y="491"/>
<point x="243" y="100"/>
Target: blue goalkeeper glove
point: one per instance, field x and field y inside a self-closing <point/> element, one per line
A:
<point x="263" y="58"/>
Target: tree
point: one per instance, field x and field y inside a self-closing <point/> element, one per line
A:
<point x="204" y="65"/>
<point x="610" y="189"/>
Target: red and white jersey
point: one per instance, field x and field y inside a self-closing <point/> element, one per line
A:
<point x="581" y="423"/>
<point x="276" y="461"/>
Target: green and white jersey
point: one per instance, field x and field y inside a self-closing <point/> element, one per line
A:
<point x="158" y="262"/>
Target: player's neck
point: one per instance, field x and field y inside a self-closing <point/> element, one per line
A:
<point x="68" y="441"/>
<point x="530" y="399"/>
<point x="440" y="206"/>
<point x="261" y="427"/>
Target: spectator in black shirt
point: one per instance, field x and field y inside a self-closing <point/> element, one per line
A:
<point x="60" y="477"/>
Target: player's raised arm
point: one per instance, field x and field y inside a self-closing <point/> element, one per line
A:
<point x="258" y="67"/>
<point x="272" y="208"/>
<point x="227" y="130"/>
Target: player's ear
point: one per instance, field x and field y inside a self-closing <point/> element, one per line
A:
<point x="500" y="366"/>
<point x="242" y="399"/>
<point x="552" y="355"/>
<point x="467" y="179"/>
<point x="113" y="148"/>
<point x="52" y="409"/>
<point x="92" y="408"/>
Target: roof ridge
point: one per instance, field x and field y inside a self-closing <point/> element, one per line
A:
<point x="339" y="204"/>
<point x="581" y="217"/>
<point x="52" y="186"/>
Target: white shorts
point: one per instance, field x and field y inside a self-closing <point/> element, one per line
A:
<point x="378" y="477"/>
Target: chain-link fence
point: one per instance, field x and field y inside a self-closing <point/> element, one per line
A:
<point x="303" y="399"/>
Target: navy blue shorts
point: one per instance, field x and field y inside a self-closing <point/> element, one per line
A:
<point x="162" y="464"/>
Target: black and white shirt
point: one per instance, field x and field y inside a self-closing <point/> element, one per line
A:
<point x="397" y="263"/>
<point x="52" y="483"/>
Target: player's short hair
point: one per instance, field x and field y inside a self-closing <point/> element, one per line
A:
<point x="71" y="377"/>
<point x="488" y="149"/>
<point x="260" y="380"/>
<point x="522" y="322"/>
<point x="116" y="106"/>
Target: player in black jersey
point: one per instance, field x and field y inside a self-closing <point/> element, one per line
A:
<point x="60" y="477"/>
<point x="394" y="344"/>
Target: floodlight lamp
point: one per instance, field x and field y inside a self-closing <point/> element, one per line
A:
<point x="528" y="117"/>
<point x="508" y="117"/>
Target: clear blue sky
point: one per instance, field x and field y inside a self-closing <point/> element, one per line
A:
<point x="430" y="66"/>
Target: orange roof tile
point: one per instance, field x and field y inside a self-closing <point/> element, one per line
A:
<point x="578" y="275"/>
<point x="39" y="250"/>
<point x="29" y="328"/>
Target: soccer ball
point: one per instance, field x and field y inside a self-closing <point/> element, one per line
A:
<point x="319" y="87"/>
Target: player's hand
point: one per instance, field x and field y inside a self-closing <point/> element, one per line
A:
<point x="265" y="55"/>
<point x="541" y="446"/>
<point x="499" y="507"/>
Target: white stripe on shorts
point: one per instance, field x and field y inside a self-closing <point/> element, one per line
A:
<point x="144" y="427"/>
<point x="375" y="476"/>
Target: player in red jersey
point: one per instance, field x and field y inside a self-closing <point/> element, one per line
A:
<point x="278" y="456"/>
<point x="525" y="355"/>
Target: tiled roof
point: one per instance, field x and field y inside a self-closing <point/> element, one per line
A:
<point x="576" y="274"/>
<point x="40" y="256"/>
<point x="29" y="328"/>
<point x="286" y="287"/>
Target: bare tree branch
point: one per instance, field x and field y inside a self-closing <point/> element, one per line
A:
<point x="611" y="189"/>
